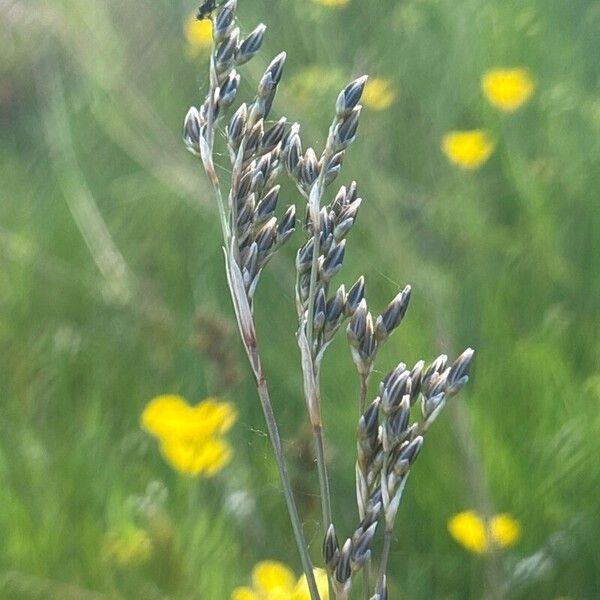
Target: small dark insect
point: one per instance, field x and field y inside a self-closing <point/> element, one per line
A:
<point x="206" y="9"/>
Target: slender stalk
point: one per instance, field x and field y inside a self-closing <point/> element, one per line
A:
<point x="364" y="383"/>
<point x="323" y="480"/>
<point x="366" y="574"/>
<point x="385" y="555"/>
<point x="367" y="580"/>
<point x="273" y="431"/>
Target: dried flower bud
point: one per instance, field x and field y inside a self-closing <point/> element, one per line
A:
<point x="331" y="548"/>
<point x="345" y="132"/>
<point x="349" y="97"/>
<point x="192" y="126"/>
<point x="393" y="314"/>
<point x="333" y="261"/>
<point x="224" y="21"/>
<point x="251" y="45"/>
<point x="458" y="375"/>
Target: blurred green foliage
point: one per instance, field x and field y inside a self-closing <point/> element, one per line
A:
<point x="110" y="249"/>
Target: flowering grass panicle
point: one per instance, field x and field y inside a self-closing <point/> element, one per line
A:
<point x="190" y="437"/>
<point x="480" y="537"/>
<point x="468" y="150"/>
<point x="507" y="89"/>
<point x="390" y="435"/>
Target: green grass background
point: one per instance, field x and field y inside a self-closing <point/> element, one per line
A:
<point x="110" y="249"/>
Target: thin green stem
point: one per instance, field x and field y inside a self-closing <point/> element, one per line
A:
<point x="367" y="580"/>
<point x="273" y="431"/>
<point x="323" y="479"/>
<point x="385" y="555"/>
<point x="362" y="404"/>
<point x="364" y="383"/>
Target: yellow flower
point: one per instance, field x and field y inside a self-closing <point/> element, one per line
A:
<point x="244" y="593"/>
<point x="507" y="89"/>
<point x="378" y="94"/>
<point x="272" y="580"/>
<point x="170" y="415"/>
<point x="467" y="149"/>
<point x="302" y="592"/>
<point x="332" y="3"/>
<point x="470" y="531"/>
<point x="504" y="530"/>
<point x="190" y="436"/>
<point x="198" y="34"/>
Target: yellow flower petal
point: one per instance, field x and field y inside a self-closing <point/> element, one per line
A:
<point x="171" y="416"/>
<point x="504" y="530"/>
<point x="469" y="531"/>
<point x="270" y="577"/>
<point x="198" y="34"/>
<point x="378" y="94"/>
<point x="191" y="457"/>
<point x="332" y="3"/>
<point x="302" y="593"/>
<point x="217" y="416"/>
<point x="467" y="149"/>
<point x="244" y="593"/>
<point x="507" y="89"/>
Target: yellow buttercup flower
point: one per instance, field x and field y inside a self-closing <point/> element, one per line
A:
<point x="507" y="89"/>
<point x="169" y="415"/>
<point x="198" y="34"/>
<point x="332" y="3"/>
<point x="504" y="530"/>
<point x="271" y="577"/>
<point x="378" y="94"/>
<point x="467" y="149"/>
<point x="272" y="580"/>
<point x="301" y="592"/>
<point x="479" y="537"/>
<point x="190" y="436"/>
<point x="469" y="531"/>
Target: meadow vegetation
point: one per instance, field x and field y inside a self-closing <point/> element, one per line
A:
<point x="479" y="167"/>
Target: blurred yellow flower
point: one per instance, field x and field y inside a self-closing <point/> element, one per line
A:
<point x="507" y="89"/>
<point x="471" y="532"/>
<point x="301" y="592"/>
<point x="198" y="34"/>
<point x="467" y="149"/>
<point x="190" y="436"/>
<point x="378" y="94"/>
<point x="128" y="549"/>
<point x="504" y="530"/>
<point x="272" y="580"/>
<point x="332" y="3"/>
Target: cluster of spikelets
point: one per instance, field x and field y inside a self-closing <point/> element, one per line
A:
<point x="388" y="443"/>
